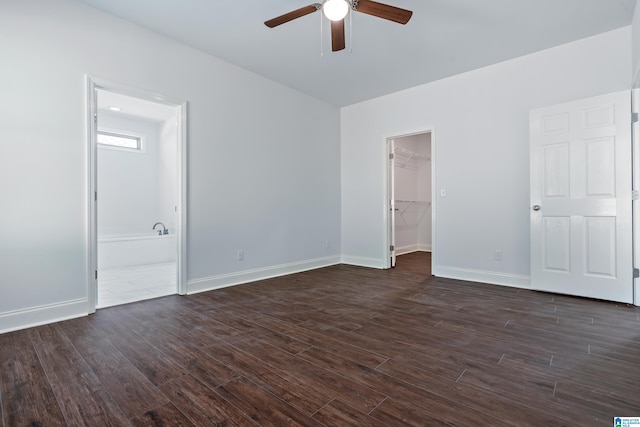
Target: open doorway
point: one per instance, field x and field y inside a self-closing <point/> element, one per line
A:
<point x="410" y="196"/>
<point x="137" y="149"/>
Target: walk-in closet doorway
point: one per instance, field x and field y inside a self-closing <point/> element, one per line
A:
<point x="410" y="189"/>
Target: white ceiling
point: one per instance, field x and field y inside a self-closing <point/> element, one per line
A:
<point x="443" y="38"/>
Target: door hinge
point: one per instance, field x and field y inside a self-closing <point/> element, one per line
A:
<point x="392" y="248"/>
<point x="95" y="196"/>
<point x="95" y="118"/>
<point x="390" y="156"/>
<point x="636" y="273"/>
<point x="96" y="274"/>
<point x="635" y="195"/>
<point x="634" y="117"/>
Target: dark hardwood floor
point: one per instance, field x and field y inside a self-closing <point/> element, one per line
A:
<point x="336" y="346"/>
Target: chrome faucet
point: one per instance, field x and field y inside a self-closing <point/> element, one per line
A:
<point x="160" y="232"/>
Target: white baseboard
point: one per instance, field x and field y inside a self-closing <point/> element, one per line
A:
<point x="363" y="261"/>
<point x="231" y="279"/>
<point x="483" y="276"/>
<point x="36" y="316"/>
<point x="412" y="248"/>
<point x="42" y="315"/>
<point x="401" y="250"/>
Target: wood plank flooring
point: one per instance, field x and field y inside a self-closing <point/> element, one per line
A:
<point x="338" y="346"/>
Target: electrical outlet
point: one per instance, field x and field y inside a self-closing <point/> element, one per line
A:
<point x="498" y="255"/>
<point x="240" y="255"/>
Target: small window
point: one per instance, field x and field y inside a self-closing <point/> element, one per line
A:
<point x="121" y="141"/>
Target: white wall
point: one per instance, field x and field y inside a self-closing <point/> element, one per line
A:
<point x="263" y="176"/>
<point x="168" y="175"/>
<point x="128" y="186"/>
<point x="480" y="120"/>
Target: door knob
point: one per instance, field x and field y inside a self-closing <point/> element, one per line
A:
<point x="535" y="207"/>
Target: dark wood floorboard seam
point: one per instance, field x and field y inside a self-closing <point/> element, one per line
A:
<point x="1" y="410"/>
<point x="48" y="380"/>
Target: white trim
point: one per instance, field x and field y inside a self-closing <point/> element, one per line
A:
<point x="42" y="315"/>
<point x="434" y="201"/>
<point x="635" y="154"/>
<point x="92" y="85"/>
<point x="365" y="262"/>
<point x="401" y="250"/>
<point x="387" y="238"/>
<point x="391" y="200"/>
<point x="412" y="248"/>
<point x="238" y="278"/>
<point x="483" y="276"/>
<point x="181" y="221"/>
<point x="91" y="226"/>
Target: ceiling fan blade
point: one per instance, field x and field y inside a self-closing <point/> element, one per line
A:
<point x="337" y="35"/>
<point x="384" y="11"/>
<point x="298" y="13"/>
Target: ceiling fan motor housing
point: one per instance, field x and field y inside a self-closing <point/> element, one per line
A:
<point x="369" y="7"/>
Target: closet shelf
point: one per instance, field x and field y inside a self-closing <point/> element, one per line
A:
<point x="402" y="206"/>
<point x="413" y="201"/>
<point x="405" y="158"/>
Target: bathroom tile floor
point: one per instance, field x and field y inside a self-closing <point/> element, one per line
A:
<point x="128" y="284"/>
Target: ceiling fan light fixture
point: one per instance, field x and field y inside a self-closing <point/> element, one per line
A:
<point x="335" y="10"/>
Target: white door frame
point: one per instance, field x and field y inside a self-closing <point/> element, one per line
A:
<point x="92" y="85"/>
<point x="391" y="185"/>
<point x="635" y="147"/>
<point x="387" y="205"/>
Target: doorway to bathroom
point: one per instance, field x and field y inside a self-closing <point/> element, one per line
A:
<point x="137" y="147"/>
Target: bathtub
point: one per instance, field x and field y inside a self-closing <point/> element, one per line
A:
<point x="132" y="250"/>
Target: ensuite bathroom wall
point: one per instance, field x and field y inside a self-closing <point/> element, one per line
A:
<point x="136" y="189"/>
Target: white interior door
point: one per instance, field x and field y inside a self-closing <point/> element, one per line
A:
<point x="392" y="203"/>
<point x="581" y="199"/>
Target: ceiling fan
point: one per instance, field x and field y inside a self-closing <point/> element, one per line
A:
<point x="336" y="10"/>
